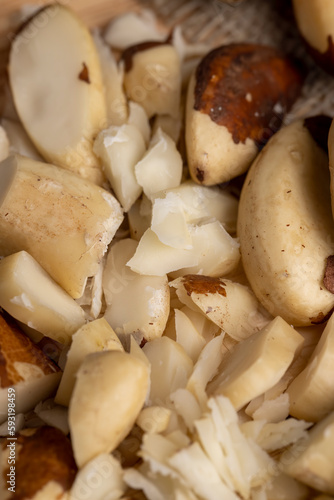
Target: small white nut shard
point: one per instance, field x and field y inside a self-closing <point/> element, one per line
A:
<point x="139" y="217"/>
<point x="161" y="166"/>
<point x="29" y="295"/>
<point x="154" y="258"/>
<point x="101" y="477"/>
<point x="109" y="393"/>
<point x="132" y="28"/>
<point x="112" y="74"/>
<point x="120" y="149"/>
<point x="257" y="363"/>
<point x="203" y="203"/>
<point x="135" y="303"/>
<point x="212" y="252"/>
<point x="95" y="336"/>
<point x="217" y="252"/>
<point x="62" y="126"/>
<point x="310" y="460"/>
<point x="138" y="117"/>
<point x="4" y="143"/>
<point x="65" y="222"/>
<point x="170" y="368"/>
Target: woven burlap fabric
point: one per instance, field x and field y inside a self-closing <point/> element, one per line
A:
<point x="269" y="22"/>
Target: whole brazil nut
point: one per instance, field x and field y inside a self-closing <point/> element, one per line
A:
<point x="236" y="101"/>
<point x="285" y="223"/>
<point x="315" y="21"/>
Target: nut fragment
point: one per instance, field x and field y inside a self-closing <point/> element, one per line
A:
<point x="256" y="364"/>
<point x="29" y="294"/>
<point x="93" y="337"/>
<point x="311" y="459"/>
<point x="108" y="395"/>
<point x="61" y="115"/>
<point x="65" y="222"/>
<point x="153" y="77"/>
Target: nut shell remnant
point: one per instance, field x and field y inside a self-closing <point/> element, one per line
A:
<point x="24" y="367"/>
<point x="44" y="465"/>
<point x="237" y="99"/>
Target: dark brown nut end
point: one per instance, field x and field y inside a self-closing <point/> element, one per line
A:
<point x="248" y="89"/>
<point x="43" y="461"/>
<point x="237" y="100"/>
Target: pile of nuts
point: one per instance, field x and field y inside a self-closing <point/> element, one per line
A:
<point x="166" y="271"/>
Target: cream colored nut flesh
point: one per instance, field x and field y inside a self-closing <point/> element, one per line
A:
<point x="29" y="295"/>
<point x="315" y="21"/>
<point x="212" y="251"/>
<point x="189" y="203"/>
<point x="161" y="167"/>
<point x="94" y="336"/>
<point x="231" y="306"/>
<point x="139" y="217"/>
<point x="112" y="74"/>
<point x="120" y="149"/>
<point x="109" y="393"/>
<point x="105" y="473"/>
<point x="285" y="224"/>
<point x="237" y="98"/>
<point x="56" y="81"/>
<point x="136" y="304"/>
<point x="45" y="457"/>
<point x="65" y="222"/>
<point x="310" y="460"/>
<point x="257" y="364"/>
<point x="153" y="77"/>
<point x="311" y="393"/>
<point x="19" y="141"/>
<point x="331" y="162"/>
<point x="132" y="28"/>
<point x="27" y="375"/>
<point x="170" y="368"/>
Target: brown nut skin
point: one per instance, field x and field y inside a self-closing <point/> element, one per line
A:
<point x="43" y="461"/>
<point x="237" y="99"/>
<point x="25" y="367"/>
<point x="315" y="21"/>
